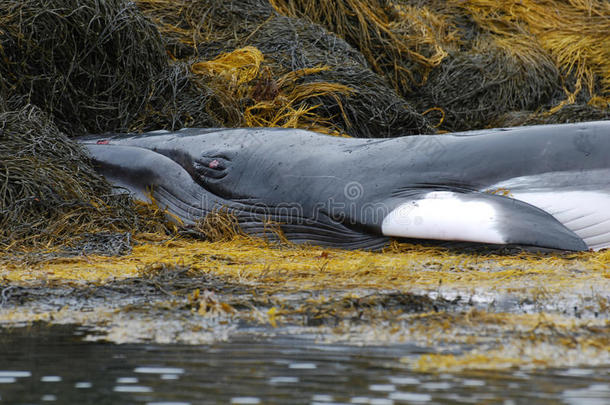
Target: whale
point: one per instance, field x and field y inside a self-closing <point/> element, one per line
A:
<point x="542" y="186"/>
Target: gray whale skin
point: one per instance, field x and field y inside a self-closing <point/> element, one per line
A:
<point x="545" y="186"/>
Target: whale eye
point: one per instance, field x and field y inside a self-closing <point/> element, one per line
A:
<point x="208" y="168"/>
<point x="216" y="163"/>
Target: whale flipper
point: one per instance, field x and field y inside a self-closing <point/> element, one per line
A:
<point x="585" y="212"/>
<point x="579" y="199"/>
<point x="477" y="217"/>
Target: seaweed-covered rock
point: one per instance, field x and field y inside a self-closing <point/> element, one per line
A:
<point x="475" y="61"/>
<point x="203" y="29"/>
<point x="94" y="65"/>
<point x="400" y="41"/>
<point x="474" y="89"/>
<point x="48" y="190"/>
<point x="567" y="114"/>
<point x="371" y="109"/>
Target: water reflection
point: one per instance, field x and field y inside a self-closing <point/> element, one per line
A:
<point x="52" y="364"/>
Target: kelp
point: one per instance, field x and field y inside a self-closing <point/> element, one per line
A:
<point x="204" y="28"/>
<point x="475" y="88"/>
<point x="573" y="32"/>
<point x="472" y="62"/>
<point x="343" y="95"/>
<point x="399" y="41"/>
<point x="50" y="195"/>
<point x="371" y="109"/>
<point x="475" y="61"/>
<point x="95" y="66"/>
<point x="77" y="67"/>
<point x="218" y="226"/>
<point x="284" y="101"/>
<point x="578" y="112"/>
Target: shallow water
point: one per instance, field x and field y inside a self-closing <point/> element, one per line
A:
<point x="42" y="364"/>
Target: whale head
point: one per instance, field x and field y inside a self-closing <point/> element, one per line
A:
<point x="260" y="176"/>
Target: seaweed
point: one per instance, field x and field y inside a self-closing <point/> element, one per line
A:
<point x="570" y="113"/>
<point x="562" y="46"/>
<point x="95" y="66"/>
<point x="344" y="95"/>
<point x="398" y="40"/>
<point x="371" y="109"/>
<point x="573" y="32"/>
<point x="473" y="62"/>
<point x="49" y="193"/>
<point x="475" y="88"/>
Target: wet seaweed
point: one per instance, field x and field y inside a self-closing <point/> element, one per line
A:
<point x="497" y="312"/>
<point x="475" y="88"/>
<point x="368" y="25"/>
<point x="570" y="113"/>
<point x="472" y="62"/>
<point x="361" y="103"/>
<point x="267" y="101"/>
<point x="95" y="66"/>
<point x="371" y="109"/>
<point x="357" y="309"/>
<point x="574" y="34"/>
<point x="560" y="43"/>
<point x="217" y="226"/>
<point x="49" y="193"/>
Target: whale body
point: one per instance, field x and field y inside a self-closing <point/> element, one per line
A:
<point x="545" y="186"/>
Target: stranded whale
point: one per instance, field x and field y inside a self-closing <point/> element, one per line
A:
<point x="545" y="186"/>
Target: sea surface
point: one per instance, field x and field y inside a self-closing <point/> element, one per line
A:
<point x="43" y="364"/>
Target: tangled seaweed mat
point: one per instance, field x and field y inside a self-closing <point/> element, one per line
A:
<point x="479" y="59"/>
<point x="477" y="311"/>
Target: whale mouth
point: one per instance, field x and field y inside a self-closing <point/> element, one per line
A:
<point x="264" y="221"/>
<point x="268" y="222"/>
